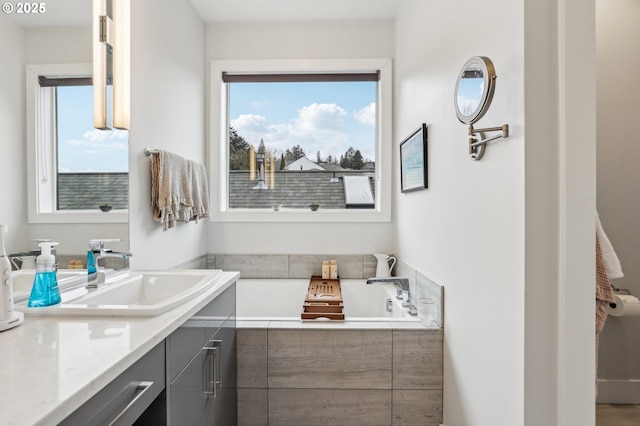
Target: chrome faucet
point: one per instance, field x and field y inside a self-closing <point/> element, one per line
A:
<point x="96" y="253"/>
<point x="402" y="288"/>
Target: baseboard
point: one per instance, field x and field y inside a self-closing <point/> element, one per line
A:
<point x="611" y="391"/>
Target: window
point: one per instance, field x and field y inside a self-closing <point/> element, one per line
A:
<point x="73" y="168"/>
<point x="294" y="135"/>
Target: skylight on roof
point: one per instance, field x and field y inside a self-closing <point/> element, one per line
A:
<point x="357" y="192"/>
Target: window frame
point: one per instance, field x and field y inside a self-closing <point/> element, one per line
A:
<point x="41" y="194"/>
<point x="218" y="140"/>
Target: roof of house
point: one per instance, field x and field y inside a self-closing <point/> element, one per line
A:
<point x="303" y="163"/>
<point x="86" y="191"/>
<point x="293" y="189"/>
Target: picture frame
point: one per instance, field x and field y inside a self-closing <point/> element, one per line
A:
<point x="413" y="161"/>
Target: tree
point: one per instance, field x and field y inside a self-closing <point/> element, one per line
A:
<point x="238" y="151"/>
<point x="352" y="159"/>
<point x="294" y="153"/>
<point x="318" y="158"/>
<point x="282" y="161"/>
<point x="261" y="148"/>
<point x="357" y="162"/>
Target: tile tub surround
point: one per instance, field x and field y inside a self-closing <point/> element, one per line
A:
<point x="356" y="266"/>
<point x="317" y="376"/>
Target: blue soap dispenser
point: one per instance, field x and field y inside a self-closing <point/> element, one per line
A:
<point x="45" y="290"/>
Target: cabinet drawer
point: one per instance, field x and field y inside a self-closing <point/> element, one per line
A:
<point x="124" y="399"/>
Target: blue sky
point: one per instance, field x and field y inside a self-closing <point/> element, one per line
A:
<point x="329" y="117"/>
<point x="325" y="117"/>
<point x="81" y="148"/>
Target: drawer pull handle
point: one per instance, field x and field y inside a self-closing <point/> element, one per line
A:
<point x="141" y="388"/>
<point x="212" y="379"/>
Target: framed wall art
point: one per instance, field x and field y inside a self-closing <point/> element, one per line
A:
<point x="413" y="161"/>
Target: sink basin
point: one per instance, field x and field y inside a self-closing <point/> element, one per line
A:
<point x="23" y="280"/>
<point x="132" y="294"/>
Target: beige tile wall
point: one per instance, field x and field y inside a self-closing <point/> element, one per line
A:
<point x="340" y="377"/>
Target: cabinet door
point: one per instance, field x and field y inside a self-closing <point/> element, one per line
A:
<point x="224" y="407"/>
<point x="190" y="402"/>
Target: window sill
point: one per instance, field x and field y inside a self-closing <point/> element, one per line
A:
<point x="81" y="216"/>
<point x="300" y="215"/>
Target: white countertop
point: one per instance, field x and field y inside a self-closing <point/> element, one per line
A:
<point x="50" y="366"/>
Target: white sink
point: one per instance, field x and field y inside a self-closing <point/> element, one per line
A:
<point x="133" y="294"/>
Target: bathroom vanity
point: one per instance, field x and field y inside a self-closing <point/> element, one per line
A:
<point x="58" y="369"/>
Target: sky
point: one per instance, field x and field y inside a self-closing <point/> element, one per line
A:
<point x="328" y="117"/>
<point x="81" y="148"/>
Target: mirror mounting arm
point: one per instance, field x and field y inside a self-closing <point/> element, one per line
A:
<point x="478" y="141"/>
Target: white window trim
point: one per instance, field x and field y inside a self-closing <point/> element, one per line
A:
<point x="41" y="193"/>
<point x="219" y="135"/>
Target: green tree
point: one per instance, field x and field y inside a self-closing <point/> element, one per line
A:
<point x="294" y="153"/>
<point x="352" y="159"/>
<point x="357" y="161"/>
<point x="261" y="148"/>
<point x="238" y="151"/>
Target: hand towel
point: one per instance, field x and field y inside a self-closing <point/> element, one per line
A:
<point x="171" y="198"/>
<point x="199" y="191"/>
<point x="609" y="257"/>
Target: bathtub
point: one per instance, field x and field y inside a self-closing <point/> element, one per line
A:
<point x="282" y="299"/>
<point x="366" y="369"/>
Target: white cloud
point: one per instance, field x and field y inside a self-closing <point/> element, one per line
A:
<point x="250" y="123"/>
<point x="321" y="117"/>
<point x="318" y="127"/>
<point x="95" y="135"/>
<point x="366" y="115"/>
<point x="99" y="141"/>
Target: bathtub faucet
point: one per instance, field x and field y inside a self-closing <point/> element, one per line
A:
<point x="402" y="287"/>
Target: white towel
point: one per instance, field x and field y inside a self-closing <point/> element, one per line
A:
<point x="199" y="191"/>
<point x="611" y="261"/>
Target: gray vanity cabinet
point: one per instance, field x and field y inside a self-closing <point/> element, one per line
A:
<point x="201" y="361"/>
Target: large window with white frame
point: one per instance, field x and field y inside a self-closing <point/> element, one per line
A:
<point x="301" y="140"/>
<point x="73" y="168"/>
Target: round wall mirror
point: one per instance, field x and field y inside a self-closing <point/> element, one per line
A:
<point x="474" y="89"/>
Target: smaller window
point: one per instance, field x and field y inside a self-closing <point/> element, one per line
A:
<point x="73" y="168"/>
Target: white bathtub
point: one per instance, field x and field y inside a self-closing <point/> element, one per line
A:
<point x="282" y="299"/>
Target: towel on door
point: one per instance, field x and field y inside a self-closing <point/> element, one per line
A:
<point x="609" y="257"/>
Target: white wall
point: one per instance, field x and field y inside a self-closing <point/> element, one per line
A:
<point x="167" y="112"/>
<point x="13" y="208"/>
<point x="470" y="220"/>
<point x="296" y="41"/>
<point x="511" y="236"/>
<point x="618" y="49"/>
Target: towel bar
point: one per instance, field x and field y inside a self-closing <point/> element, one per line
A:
<point x="148" y="152"/>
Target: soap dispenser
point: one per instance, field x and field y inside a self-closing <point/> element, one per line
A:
<point x="9" y="318"/>
<point x="45" y="290"/>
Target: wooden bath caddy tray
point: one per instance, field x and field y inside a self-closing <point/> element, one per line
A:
<point x="323" y="300"/>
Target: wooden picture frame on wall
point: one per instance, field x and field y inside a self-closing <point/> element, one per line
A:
<point x="413" y="161"/>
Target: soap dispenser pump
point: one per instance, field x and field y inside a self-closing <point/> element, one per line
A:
<point x="9" y="318"/>
<point x="45" y="290"/>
